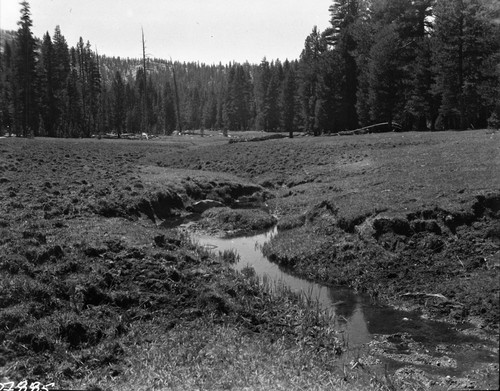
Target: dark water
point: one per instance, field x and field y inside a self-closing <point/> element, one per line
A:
<point x="358" y="318"/>
<point x="348" y="307"/>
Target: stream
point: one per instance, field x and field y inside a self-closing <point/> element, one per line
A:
<point x="344" y="303"/>
<point x="400" y="337"/>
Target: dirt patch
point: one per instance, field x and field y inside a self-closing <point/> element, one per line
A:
<point x="392" y="257"/>
<point x="227" y="222"/>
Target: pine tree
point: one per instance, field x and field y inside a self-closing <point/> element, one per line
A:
<point x="271" y="103"/>
<point x="6" y="89"/>
<point x="241" y="92"/>
<point x="466" y="45"/>
<point x="421" y="102"/>
<point x="48" y="103"/>
<point x="74" y="113"/>
<point x="193" y="107"/>
<point x="412" y="22"/>
<point x="210" y="111"/>
<point x="385" y="76"/>
<point x="118" y="103"/>
<point x="89" y="86"/>
<point x="310" y="60"/>
<point x="364" y="35"/>
<point x="61" y="64"/>
<point x="220" y="107"/>
<point x="134" y="104"/>
<point x="169" y="108"/>
<point x="288" y="100"/>
<point x="26" y="115"/>
<point x="345" y="16"/>
<point x="261" y="83"/>
<point x="236" y="110"/>
<point x="329" y="116"/>
<point x="229" y="106"/>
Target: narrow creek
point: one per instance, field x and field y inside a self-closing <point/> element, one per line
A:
<point x="440" y="349"/>
<point x="347" y="306"/>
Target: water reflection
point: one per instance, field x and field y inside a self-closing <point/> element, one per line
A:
<point x="355" y="314"/>
<point x="346" y="305"/>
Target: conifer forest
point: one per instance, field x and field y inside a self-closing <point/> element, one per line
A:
<point x="420" y="64"/>
<point x="153" y="237"/>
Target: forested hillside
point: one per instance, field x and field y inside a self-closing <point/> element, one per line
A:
<point x="424" y="64"/>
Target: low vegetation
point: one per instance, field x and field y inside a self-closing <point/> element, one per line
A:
<point x="97" y="289"/>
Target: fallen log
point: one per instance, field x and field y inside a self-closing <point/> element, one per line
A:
<point x="375" y="128"/>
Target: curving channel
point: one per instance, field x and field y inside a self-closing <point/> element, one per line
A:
<point x="360" y="319"/>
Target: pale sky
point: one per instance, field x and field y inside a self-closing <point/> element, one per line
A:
<point x="207" y="31"/>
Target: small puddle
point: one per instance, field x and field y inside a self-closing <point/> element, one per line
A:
<point x="359" y="318"/>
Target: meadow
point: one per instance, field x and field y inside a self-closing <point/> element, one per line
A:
<point x="98" y="287"/>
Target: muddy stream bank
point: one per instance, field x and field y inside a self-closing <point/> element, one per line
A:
<point x="376" y="335"/>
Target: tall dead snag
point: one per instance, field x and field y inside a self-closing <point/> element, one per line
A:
<point x="144" y="95"/>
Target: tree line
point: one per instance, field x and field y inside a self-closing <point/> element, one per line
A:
<point x="424" y="64"/>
